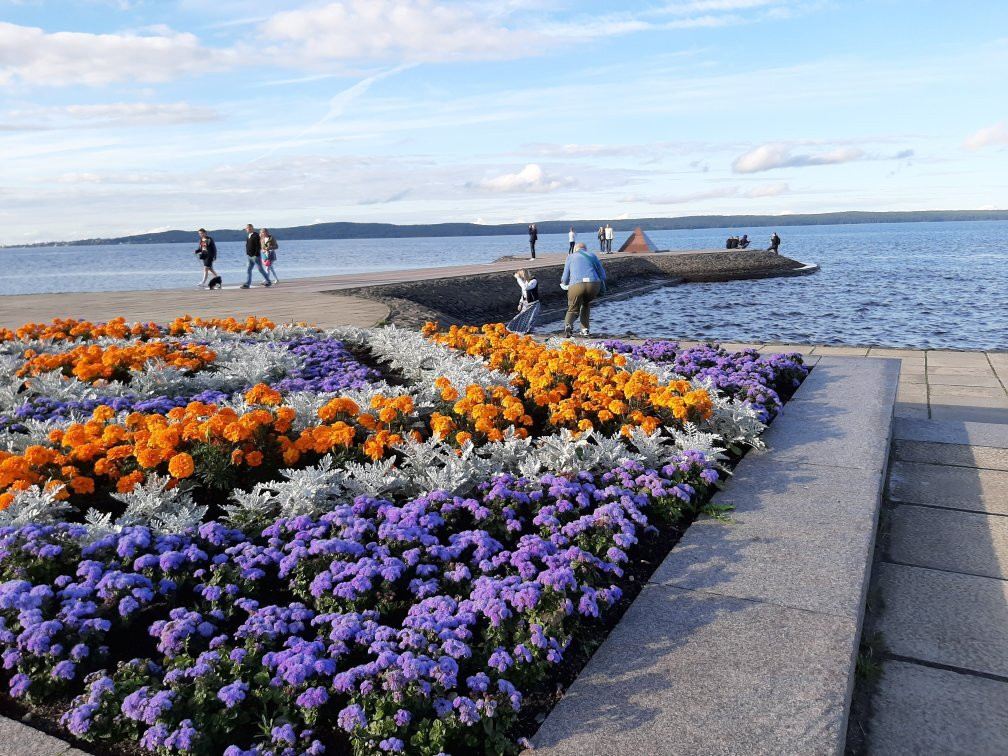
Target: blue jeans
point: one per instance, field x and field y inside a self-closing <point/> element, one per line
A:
<point x="255" y="262"/>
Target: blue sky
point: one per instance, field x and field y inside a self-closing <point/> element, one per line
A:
<point x="127" y="116"/>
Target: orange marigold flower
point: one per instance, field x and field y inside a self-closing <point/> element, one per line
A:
<point x="237" y="456"/>
<point x="254" y="458"/>
<point x="148" y="457"/>
<point x="263" y="394"/>
<point x="82" y="485"/>
<point x="181" y="465"/>
<point x="103" y="412"/>
<point x="127" y="483"/>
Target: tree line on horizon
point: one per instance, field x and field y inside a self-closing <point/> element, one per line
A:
<point x="351" y="230"/>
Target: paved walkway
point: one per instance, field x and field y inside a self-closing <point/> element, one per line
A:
<point x="310" y="300"/>
<point x="940" y="589"/>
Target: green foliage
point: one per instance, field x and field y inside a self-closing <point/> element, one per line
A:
<point x="213" y="466"/>
<point x="718" y="511"/>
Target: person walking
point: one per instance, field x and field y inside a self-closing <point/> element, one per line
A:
<point x="207" y="252"/>
<point x="268" y="245"/>
<point x="583" y="279"/>
<point x="774" y="243"/>
<point x="601" y="238"/>
<point x="533" y="236"/>
<point x="253" y="250"/>
<point x="608" y="238"/>
<point x="571" y="237"/>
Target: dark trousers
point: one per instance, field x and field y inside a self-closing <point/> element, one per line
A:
<point x="608" y="245"/>
<point x="532" y="247"/>
<point x="579" y="299"/>
<point x="569" y="251"/>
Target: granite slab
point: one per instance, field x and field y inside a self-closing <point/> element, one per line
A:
<point x="944" y="617"/>
<point x="968" y="488"/>
<point x="945" y="539"/>
<point x="959" y="455"/>
<point x="686" y="672"/>
<point x="920" y="710"/>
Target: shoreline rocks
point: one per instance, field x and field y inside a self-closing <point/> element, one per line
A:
<point x="492" y="297"/>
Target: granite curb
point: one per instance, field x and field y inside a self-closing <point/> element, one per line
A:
<point x="745" y="638"/>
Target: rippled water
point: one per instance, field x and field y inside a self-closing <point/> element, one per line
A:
<point x="917" y="285"/>
<point x="922" y="285"/>
<point x="129" y="267"/>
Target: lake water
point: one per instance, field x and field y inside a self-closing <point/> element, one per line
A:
<point x="922" y="285"/>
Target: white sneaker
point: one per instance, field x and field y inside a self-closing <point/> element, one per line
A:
<point x="584" y="332"/>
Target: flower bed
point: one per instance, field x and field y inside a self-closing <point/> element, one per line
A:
<point x="329" y="557"/>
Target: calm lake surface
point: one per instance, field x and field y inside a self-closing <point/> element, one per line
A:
<point x="922" y="285"/>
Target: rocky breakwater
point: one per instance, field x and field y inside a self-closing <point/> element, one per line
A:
<point x="492" y="297"/>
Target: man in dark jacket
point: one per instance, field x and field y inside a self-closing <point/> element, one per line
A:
<point x="774" y="243"/>
<point x="253" y="250"/>
<point x="207" y="253"/>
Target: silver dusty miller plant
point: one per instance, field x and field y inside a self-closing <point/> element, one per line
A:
<point x="35" y="505"/>
<point x="151" y="504"/>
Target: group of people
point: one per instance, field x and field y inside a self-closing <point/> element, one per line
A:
<point x="605" y="239"/>
<point x="260" y="249"/>
<point x="583" y="279"/>
<point x="734" y="242"/>
<point x="605" y="236"/>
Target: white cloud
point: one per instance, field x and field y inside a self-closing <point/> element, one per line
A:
<point x="988" y="137"/>
<point x="531" y="178"/>
<point x="768" y="190"/>
<point x="769" y="156"/>
<point x="683" y="199"/>
<point x="108" y="114"/>
<point x="420" y="30"/>
<point x="29" y="55"/>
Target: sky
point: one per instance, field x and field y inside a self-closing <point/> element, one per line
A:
<point x="130" y="116"/>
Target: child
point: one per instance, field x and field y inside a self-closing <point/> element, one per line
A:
<point x="528" y="305"/>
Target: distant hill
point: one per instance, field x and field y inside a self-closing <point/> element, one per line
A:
<point x="343" y="230"/>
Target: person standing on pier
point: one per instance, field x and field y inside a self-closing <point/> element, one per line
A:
<point x="533" y="236"/>
<point x="774" y="243"/>
<point x="608" y="238"/>
<point x="253" y="249"/>
<point x="601" y="238"/>
<point x="572" y="238"/>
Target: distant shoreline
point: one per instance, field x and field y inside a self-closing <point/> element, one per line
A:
<point x="347" y="230"/>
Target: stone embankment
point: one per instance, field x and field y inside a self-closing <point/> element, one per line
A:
<point x="491" y="297"/>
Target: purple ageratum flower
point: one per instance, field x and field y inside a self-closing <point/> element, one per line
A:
<point x="402" y="718"/>
<point x="19" y="685"/>
<point x="284" y="734"/>
<point x="233" y="694"/>
<point x="313" y="698"/>
<point x="468" y="712"/>
<point x="64" y="670"/>
<point x="351" y="717"/>
<point x="328" y="366"/>
<point x="184" y="738"/>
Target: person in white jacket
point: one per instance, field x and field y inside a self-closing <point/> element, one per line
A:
<point x="571" y="237"/>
